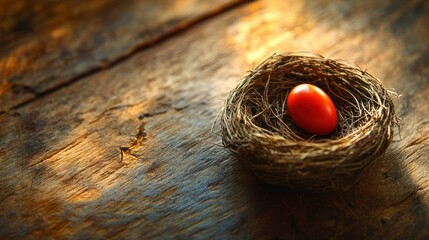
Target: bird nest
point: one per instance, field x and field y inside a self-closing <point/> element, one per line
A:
<point x="256" y="126"/>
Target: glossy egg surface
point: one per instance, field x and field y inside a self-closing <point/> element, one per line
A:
<point x="312" y="109"/>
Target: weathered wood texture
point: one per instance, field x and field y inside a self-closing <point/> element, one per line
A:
<point x="127" y="152"/>
<point x="47" y="44"/>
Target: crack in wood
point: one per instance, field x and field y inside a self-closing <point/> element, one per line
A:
<point x="130" y="151"/>
<point x="151" y="114"/>
<point x="163" y="111"/>
<point x="417" y="141"/>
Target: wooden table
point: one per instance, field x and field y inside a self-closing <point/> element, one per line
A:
<point x="106" y="109"/>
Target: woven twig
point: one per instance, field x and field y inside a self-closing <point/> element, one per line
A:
<point x="258" y="130"/>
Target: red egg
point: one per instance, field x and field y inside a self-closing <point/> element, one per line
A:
<point x="312" y="109"/>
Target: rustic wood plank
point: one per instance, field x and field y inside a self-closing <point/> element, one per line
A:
<point x="127" y="152"/>
<point x="48" y="44"/>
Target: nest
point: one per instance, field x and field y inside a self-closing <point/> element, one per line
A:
<point x="256" y="126"/>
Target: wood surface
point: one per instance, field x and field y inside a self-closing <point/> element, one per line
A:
<point x="126" y="152"/>
<point x="47" y="44"/>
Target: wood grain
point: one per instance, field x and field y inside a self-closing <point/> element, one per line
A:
<point x="45" y="45"/>
<point x="127" y="152"/>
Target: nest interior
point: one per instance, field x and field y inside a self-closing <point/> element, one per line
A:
<point x="258" y="130"/>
